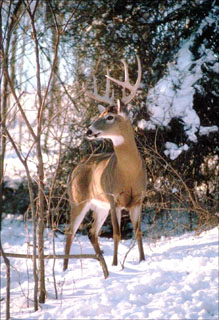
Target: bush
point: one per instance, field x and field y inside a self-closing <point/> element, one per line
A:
<point x="15" y="198"/>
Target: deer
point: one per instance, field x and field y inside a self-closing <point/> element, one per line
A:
<point x="109" y="182"/>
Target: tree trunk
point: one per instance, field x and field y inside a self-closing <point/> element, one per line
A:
<point x="8" y="281"/>
<point x="42" y="289"/>
<point x="3" y="111"/>
<point x="34" y="229"/>
<point x="40" y="207"/>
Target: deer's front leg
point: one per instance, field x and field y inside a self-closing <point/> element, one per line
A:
<point x="116" y="221"/>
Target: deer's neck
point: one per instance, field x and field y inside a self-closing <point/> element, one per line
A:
<point x="128" y="158"/>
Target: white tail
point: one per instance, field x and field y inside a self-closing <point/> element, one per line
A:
<point x="109" y="182"/>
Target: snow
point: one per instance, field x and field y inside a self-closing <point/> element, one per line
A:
<point x="172" y="96"/>
<point x="173" y="151"/>
<point x="178" y="279"/>
<point x="207" y="130"/>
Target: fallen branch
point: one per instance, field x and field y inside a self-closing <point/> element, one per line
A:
<point x="98" y="257"/>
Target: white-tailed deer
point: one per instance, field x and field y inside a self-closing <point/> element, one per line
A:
<point x="107" y="182"/>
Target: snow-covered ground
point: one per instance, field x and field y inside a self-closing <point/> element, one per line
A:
<point x="178" y="280"/>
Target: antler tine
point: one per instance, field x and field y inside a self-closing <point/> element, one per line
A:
<point x="107" y="83"/>
<point x="106" y="98"/>
<point x="126" y="84"/>
<point x="126" y="70"/>
<point x="107" y="92"/>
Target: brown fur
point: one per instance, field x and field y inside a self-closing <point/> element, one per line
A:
<point x="118" y="179"/>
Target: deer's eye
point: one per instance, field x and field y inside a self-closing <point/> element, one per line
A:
<point x="110" y="118"/>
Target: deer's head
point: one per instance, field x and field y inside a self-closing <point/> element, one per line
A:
<point x="113" y="120"/>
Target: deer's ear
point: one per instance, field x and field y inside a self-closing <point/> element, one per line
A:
<point x="121" y="108"/>
<point x="101" y="108"/>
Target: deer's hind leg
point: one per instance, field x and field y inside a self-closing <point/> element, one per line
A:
<point x="135" y="216"/>
<point x="78" y="213"/>
<point x="116" y="222"/>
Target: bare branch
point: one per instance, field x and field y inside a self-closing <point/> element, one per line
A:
<point x="18" y="103"/>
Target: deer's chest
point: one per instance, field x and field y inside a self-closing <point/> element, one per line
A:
<point x="126" y="190"/>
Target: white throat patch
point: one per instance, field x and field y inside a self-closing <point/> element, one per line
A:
<point x="116" y="140"/>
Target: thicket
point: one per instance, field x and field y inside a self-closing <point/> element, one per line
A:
<point x="102" y="33"/>
<point x="183" y="191"/>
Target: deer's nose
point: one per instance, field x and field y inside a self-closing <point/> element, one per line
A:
<point x="89" y="133"/>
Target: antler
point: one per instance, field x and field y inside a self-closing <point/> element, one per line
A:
<point x="124" y="84"/>
<point x="106" y="98"/>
